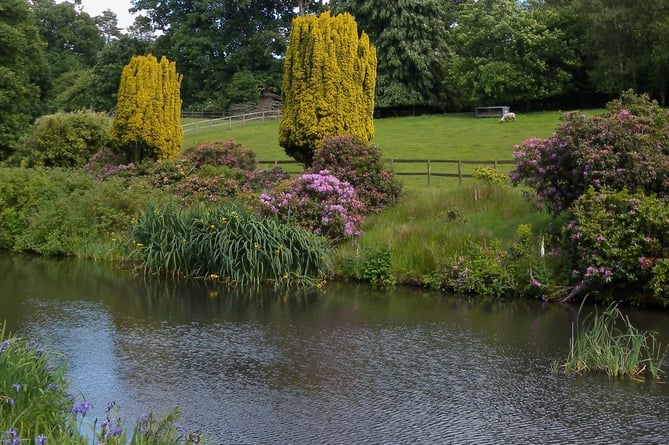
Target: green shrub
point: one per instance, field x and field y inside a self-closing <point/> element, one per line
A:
<point x="63" y="140"/>
<point x="228" y="243"/>
<point x="64" y="212"/>
<point x="376" y="269"/>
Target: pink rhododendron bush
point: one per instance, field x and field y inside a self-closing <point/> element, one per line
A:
<point x="608" y="178"/>
<point x="318" y="202"/>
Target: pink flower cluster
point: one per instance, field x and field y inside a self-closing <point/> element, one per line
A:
<point x="318" y="202"/>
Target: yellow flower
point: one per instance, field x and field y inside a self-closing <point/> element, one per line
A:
<point x="224" y="219"/>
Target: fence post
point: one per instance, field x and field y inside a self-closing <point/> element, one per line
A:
<point x="460" y="172"/>
<point x="495" y="164"/>
<point x="429" y="171"/>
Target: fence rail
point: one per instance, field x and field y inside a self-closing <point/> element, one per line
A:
<point x="428" y="171"/>
<point x="229" y="121"/>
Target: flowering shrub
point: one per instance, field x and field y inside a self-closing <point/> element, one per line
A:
<point x="627" y="147"/>
<point x="217" y="153"/>
<point x="318" y="202"/>
<point x="206" y="189"/>
<point x="618" y="239"/>
<point x="105" y="164"/>
<point x="264" y="179"/>
<point x="358" y="163"/>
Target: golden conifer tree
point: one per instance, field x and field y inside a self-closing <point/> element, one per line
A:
<point x="328" y="84"/>
<point x="148" y="110"/>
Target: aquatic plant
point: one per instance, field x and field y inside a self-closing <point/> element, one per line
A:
<point x="229" y="243"/>
<point x="611" y="344"/>
<point x="35" y="406"/>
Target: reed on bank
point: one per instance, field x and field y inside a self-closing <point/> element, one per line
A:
<point x="609" y="343"/>
<point x="228" y="243"/>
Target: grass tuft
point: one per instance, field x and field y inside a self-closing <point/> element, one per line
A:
<point x="612" y="345"/>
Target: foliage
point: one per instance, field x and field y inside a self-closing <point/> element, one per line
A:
<point x="376" y="269"/>
<point x="318" y="202"/>
<point x="147" y="122"/>
<point x="328" y="84"/>
<point x="213" y="41"/>
<point x="23" y="72"/>
<point x="491" y="176"/>
<point x="627" y="147"/>
<point x="625" y="44"/>
<point x="217" y="153"/>
<point x="33" y="389"/>
<point x="359" y="163"/>
<point x="611" y="344"/>
<point x="617" y="240"/>
<point x="413" y="47"/>
<point x="228" y="243"/>
<point x="106" y="73"/>
<point x="63" y="140"/>
<point x="508" y="53"/>
<point x="58" y="212"/>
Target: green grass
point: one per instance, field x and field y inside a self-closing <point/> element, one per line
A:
<point x="430" y="227"/>
<point x="457" y="136"/>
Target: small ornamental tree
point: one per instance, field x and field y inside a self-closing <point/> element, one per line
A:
<point x="328" y="84"/>
<point x="148" y="111"/>
<point x="626" y="148"/>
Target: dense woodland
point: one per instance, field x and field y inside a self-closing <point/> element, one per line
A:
<point x="433" y="55"/>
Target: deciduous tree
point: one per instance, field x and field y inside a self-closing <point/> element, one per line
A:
<point x="23" y="72"/>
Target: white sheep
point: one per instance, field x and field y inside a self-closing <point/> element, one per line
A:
<point x="508" y="117"/>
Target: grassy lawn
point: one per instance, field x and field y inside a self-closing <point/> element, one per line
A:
<point x="458" y="136"/>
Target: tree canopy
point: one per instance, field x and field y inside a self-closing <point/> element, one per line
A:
<point x="24" y="77"/>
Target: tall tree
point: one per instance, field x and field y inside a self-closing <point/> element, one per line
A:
<point x="508" y="55"/>
<point x="413" y="47"/>
<point x="106" y="74"/>
<point x="108" y="25"/>
<point x="23" y="72"/>
<point x="212" y="41"/>
<point x="72" y="43"/>
<point x="328" y="84"/>
<point x="147" y="121"/>
<point x="627" y="41"/>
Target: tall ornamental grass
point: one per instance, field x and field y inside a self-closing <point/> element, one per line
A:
<point x="228" y="243"/>
<point x="612" y="345"/>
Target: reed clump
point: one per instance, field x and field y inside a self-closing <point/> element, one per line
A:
<point x="228" y="243"/>
<point x="612" y="345"/>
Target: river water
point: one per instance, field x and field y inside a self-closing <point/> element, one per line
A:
<point x="345" y="365"/>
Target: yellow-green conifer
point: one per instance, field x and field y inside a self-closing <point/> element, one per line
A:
<point x="328" y="84"/>
<point x="148" y="110"/>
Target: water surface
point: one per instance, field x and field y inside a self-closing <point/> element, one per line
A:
<point x="346" y="365"/>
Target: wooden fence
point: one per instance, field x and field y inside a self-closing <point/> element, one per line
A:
<point x="229" y="121"/>
<point x="427" y="169"/>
